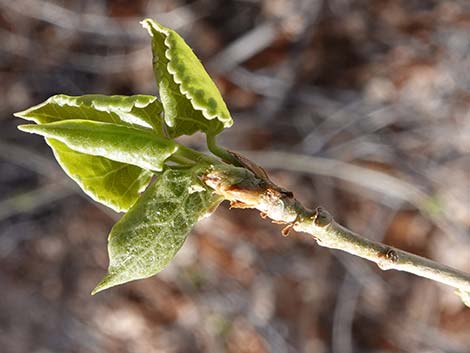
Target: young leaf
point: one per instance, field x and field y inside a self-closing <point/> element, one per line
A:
<point x="137" y="111"/>
<point x="116" y="142"/>
<point x="147" y="237"/>
<point x="191" y="100"/>
<point x="113" y="184"/>
<point x="141" y="110"/>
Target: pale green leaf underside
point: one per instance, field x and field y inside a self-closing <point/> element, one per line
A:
<point x="140" y="111"/>
<point x="147" y="237"/>
<point x="119" y="143"/>
<point x="190" y="99"/>
<point x="113" y="184"/>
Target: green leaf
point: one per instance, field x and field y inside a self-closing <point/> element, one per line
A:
<point x="116" y="142"/>
<point x="113" y="184"/>
<point x="465" y="296"/>
<point x="191" y="100"/>
<point x="137" y="111"/>
<point x="147" y="237"/>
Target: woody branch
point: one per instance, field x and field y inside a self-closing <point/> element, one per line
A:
<point x="246" y="190"/>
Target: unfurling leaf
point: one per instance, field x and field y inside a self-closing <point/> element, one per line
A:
<point x="137" y="111"/>
<point x="147" y="237"/>
<point x="191" y="100"/>
<point x="119" y="143"/>
<point x="113" y="184"/>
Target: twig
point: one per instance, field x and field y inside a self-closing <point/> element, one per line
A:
<point x="368" y="179"/>
<point x="246" y="190"/>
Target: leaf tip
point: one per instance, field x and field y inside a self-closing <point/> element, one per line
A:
<point x="148" y="25"/>
<point x="151" y="26"/>
<point x="95" y="291"/>
<point x="107" y="282"/>
<point x="30" y="114"/>
<point x="31" y="128"/>
<point x="21" y="114"/>
<point x="26" y="115"/>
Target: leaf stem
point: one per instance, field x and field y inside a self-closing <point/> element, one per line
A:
<point x="246" y="190"/>
<point x="196" y="157"/>
<point x="220" y="152"/>
<point x="181" y="160"/>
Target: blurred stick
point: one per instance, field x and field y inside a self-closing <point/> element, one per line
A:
<point x="244" y="47"/>
<point x="58" y="188"/>
<point x="31" y="200"/>
<point x="22" y="46"/>
<point x="29" y="159"/>
<point x="99" y="24"/>
<point x="369" y="179"/>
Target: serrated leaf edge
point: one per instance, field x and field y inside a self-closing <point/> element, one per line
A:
<point x="72" y="101"/>
<point x="148" y="25"/>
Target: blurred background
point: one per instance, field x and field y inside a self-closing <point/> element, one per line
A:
<point x="359" y="106"/>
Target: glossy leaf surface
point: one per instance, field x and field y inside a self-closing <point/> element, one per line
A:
<point x="116" y="142"/>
